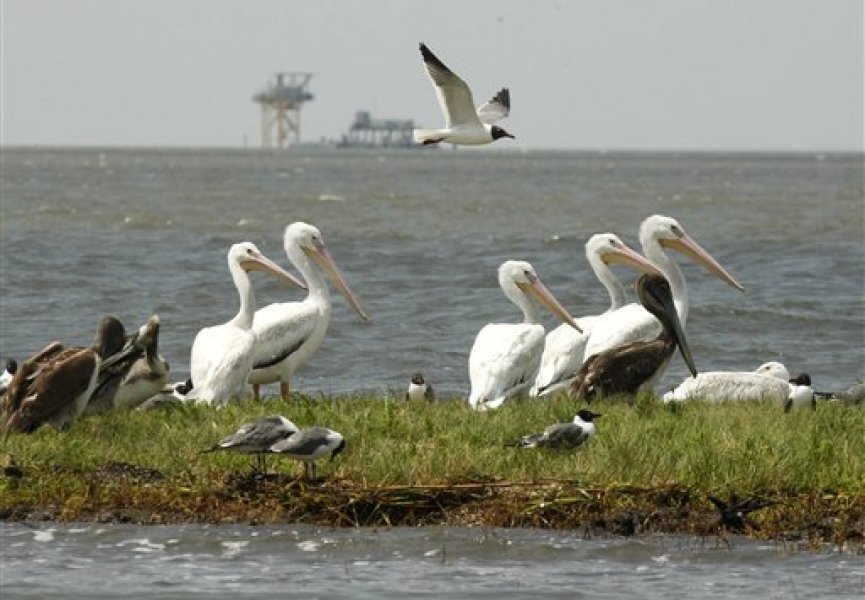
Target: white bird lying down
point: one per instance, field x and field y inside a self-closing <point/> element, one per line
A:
<point x="769" y="380"/>
<point x="563" y="435"/>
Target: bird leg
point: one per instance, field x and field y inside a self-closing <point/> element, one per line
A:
<point x="256" y="392"/>
<point x="284" y="390"/>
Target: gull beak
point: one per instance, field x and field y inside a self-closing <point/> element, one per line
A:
<point x="260" y="262"/>
<point x="540" y="292"/>
<point x="323" y="259"/>
<point x="688" y="246"/>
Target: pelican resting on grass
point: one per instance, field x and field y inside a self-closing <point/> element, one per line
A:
<point x="633" y="322"/>
<point x="223" y="355"/>
<point x="287" y="334"/>
<point x="564" y="346"/>
<point x="768" y="381"/>
<point x="563" y="435"/>
<point x="310" y="444"/>
<point x="55" y="385"/>
<point x="505" y="357"/>
<point x="257" y="438"/>
<point x="633" y="367"/>
<point x="148" y="375"/>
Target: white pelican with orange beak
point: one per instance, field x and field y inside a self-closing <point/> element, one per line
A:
<point x="564" y="347"/>
<point x="222" y="355"/>
<point x="505" y="357"/>
<point x="289" y="333"/>
<point x="632" y="322"/>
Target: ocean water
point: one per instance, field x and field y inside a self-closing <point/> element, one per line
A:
<point x="419" y="235"/>
<point x="232" y="562"/>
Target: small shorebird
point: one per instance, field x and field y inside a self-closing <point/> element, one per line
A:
<point x="801" y="394"/>
<point x="257" y="438"/>
<point x="419" y="389"/>
<point x="463" y="124"/>
<point x="55" y="385"/>
<point x="7" y="374"/>
<point x="505" y="357"/>
<point x="633" y="367"/>
<point x="563" y="435"/>
<point x="310" y="444"/>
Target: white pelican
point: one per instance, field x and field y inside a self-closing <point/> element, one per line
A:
<point x="464" y="125"/>
<point x="505" y="357"/>
<point x="222" y="355"/>
<point x="632" y="322"/>
<point x="563" y="347"/>
<point x="635" y="366"/>
<point x="289" y="333"/>
<point x="55" y="385"/>
<point x="769" y="380"/>
<point x="419" y="389"/>
<point x="310" y="444"/>
<point x="257" y="438"/>
<point x="564" y="435"/>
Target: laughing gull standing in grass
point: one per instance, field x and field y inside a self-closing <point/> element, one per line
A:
<point x="463" y="124"/>
<point x="7" y="374"/>
<point x="801" y="394"/>
<point x="310" y="444"/>
<point x="563" y="435"/>
<point x="257" y="438"/>
<point x="419" y="389"/>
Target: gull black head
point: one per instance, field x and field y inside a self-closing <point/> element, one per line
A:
<point x="11" y="366"/>
<point x="184" y="388"/>
<point x="801" y="379"/>
<point x="587" y="415"/>
<point x="417" y="379"/>
<point x="497" y="132"/>
<point x="338" y="449"/>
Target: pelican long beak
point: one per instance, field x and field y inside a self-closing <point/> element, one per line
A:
<point x="323" y="259"/>
<point x="540" y="292"/>
<point x="688" y="246"/>
<point x="669" y="307"/>
<point x="134" y="345"/>
<point x="623" y="255"/>
<point x="259" y="262"/>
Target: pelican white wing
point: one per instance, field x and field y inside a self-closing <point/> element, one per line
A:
<point x="284" y="332"/>
<point x="220" y="362"/>
<point x="504" y="361"/>
<point x="564" y="350"/>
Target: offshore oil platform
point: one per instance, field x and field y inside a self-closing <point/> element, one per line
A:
<point x="282" y="99"/>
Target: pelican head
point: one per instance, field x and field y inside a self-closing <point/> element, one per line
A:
<point x="518" y="278"/>
<point x="657" y="298"/>
<point x="611" y="250"/>
<point x="309" y="239"/>
<point x="249" y="258"/>
<point x="110" y="336"/>
<point x="670" y="234"/>
<point x="773" y="369"/>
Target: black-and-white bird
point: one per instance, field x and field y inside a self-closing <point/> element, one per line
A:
<point x="563" y="435"/>
<point x="257" y="438"/>
<point x="464" y="124"/>
<point x="310" y="444"/>
<point x="633" y="367"/>
<point x="7" y="374"/>
<point x="801" y="393"/>
<point x="419" y="389"/>
<point x="55" y="385"/>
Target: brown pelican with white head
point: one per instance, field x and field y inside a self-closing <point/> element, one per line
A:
<point x="55" y="385"/>
<point x="635" y="366"/>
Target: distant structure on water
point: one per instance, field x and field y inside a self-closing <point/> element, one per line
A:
<point x="366" y="132"/>
<point x="280" y="109"/>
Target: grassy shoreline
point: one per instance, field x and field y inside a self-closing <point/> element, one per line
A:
<point x="650" y="469"/>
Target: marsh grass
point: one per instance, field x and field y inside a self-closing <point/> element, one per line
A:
<point x="405" y="448"/>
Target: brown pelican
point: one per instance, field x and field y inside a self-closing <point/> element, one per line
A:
<point x="564" y="346"/>
<point x="564" y="435"/>
<point x="465" y="125"/>
<point x="257" y="438"/>
<point x="419" y="389"/>
<point x="634" y="366"/>
<point x="222" y="355"/>
<point x="287" y="334"/>
<point x="55" y="385"/>
<point x="310" y="444"/>
<point x="505" y="357"/>
<point x="632" y="322"/>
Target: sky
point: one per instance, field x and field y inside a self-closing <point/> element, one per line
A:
<point x="583" y="74"/>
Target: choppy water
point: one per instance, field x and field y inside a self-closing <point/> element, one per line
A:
<point x="419" y="236"/>
<point x="125" y="561"/>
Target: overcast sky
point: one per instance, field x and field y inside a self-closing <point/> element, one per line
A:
<point x="585" y="74"/>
